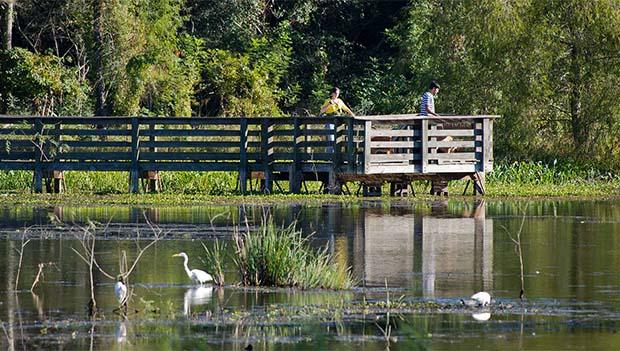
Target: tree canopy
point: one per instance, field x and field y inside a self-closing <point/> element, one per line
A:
<point x="549" y="67"/>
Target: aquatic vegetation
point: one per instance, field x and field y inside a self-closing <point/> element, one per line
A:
<point x="274" y="256"/>
<point x="214" y="259"/>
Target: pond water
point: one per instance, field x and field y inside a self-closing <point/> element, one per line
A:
<point x="439" y="252"/>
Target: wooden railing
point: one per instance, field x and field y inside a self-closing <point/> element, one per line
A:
<point x="428" y="145"/>
<point x="291" y="146"/>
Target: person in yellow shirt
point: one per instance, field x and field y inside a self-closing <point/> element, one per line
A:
<point x="336" y="107"/>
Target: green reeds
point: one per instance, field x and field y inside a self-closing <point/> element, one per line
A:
<point x="273" y="256"/>
<point x="214" y="259"/>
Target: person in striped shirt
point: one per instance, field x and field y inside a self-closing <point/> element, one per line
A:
<point x="428" y="100"/>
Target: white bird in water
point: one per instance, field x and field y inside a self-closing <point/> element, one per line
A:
<point x="478" y="299"/>
<point x="195" y="275"/>
<point x="120" y="291"/>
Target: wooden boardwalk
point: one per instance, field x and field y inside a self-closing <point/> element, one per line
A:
<point x="367" y="149"/>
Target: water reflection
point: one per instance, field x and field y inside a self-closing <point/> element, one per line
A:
<point x="481" y="316"/>
<point x="438" y="249"/>
<point x="121" y="333"/>
<point x="196" y="296"/>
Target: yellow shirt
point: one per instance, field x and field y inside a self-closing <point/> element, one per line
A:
<point x="335" y="108"/>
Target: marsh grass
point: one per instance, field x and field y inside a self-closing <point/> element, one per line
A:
<point x="274" y="256"/>
<point x="215" y="258"/>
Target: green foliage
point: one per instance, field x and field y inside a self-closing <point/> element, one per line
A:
<point x="273" y="256"/>
<point x="40" y="84"/>
<point x="248" y="83"/>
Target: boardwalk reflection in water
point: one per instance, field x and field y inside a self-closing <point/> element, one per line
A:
<point x="439" y="249"/>
<point x="447" y="254"/>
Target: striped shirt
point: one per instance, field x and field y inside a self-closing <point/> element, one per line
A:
<point x="428" y="104"/>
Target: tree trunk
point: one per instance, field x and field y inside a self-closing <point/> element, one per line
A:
<point x="579" y="124"/>
<point x="7" y="40"/>
<point x="100" y="91"/>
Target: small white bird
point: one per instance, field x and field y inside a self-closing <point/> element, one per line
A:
<point x="120" y="290"/>
<point x="482" y="298"/>
<point x="196" y="275"/>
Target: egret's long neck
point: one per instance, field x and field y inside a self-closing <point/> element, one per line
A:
<point x="185" y="259"/>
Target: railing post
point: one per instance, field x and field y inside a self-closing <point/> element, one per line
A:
<point x="350" y="145"/>
<point x="134" y="173"/>
<point x="487" y="145"/>
<point x="367" y="145"/>
<point x="38" y="156"/>
<point x="424" y="149"/>
<point x="294" y="176"/>
<point x="243" y="156"/>
<point x="265" y="144"/>
<point x="335" y="144"/>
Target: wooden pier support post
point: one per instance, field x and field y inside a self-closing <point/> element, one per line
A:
<point x="134" y="173"/>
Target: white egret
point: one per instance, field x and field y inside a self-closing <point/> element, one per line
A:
<point x="478" y="299"/>
<point x="120" y="291"/>
<point x="482" y="298"/>
<point x="195" y="275"/>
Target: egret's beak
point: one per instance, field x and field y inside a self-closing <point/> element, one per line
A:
<point x="176" y="255"/>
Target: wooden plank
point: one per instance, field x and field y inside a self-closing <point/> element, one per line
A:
<point x="367" y="145"/>
<point x="453" y="143"/>
<point x="190" y="166"/>
<point x="92" y="132"/>
<point x="452" y="132"/>
<point x="204" y="121"/>
<point x="243" y="160"/>
<point x="116" y="155"/>
<point x="487" y="145"/>
<point x="424" y="147"/>
<point x="17" y="166"/>
<point x="394" y="157"/>
<point x="16" y="131"/>
<point x="395" y="144"/>
<point x="450" y="168"/>
<point x="97" y="144"/>
<point x="265" y="154"/>
<point x="395" y="133"/>
<point x="453" y="156"/>
<point x="387" y="169"/>
<point x="350" y="151"/>
<point x="196" y="156"/>
<point x="191" y="132"/>
<point x="294" y="176"/>
<point x="18" y="155"/>
<point x="38" y="158"/>
<point x="135" y="156"/>
<point x="99" y="166"/>
<point x="190" y="144"/>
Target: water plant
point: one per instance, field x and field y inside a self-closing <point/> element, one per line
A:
<point x="214" y="259"/>
<point x="281" y="256"/>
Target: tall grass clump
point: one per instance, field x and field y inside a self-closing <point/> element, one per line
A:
<point x="273" y="256"/>
<point x="214" y="259"/>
